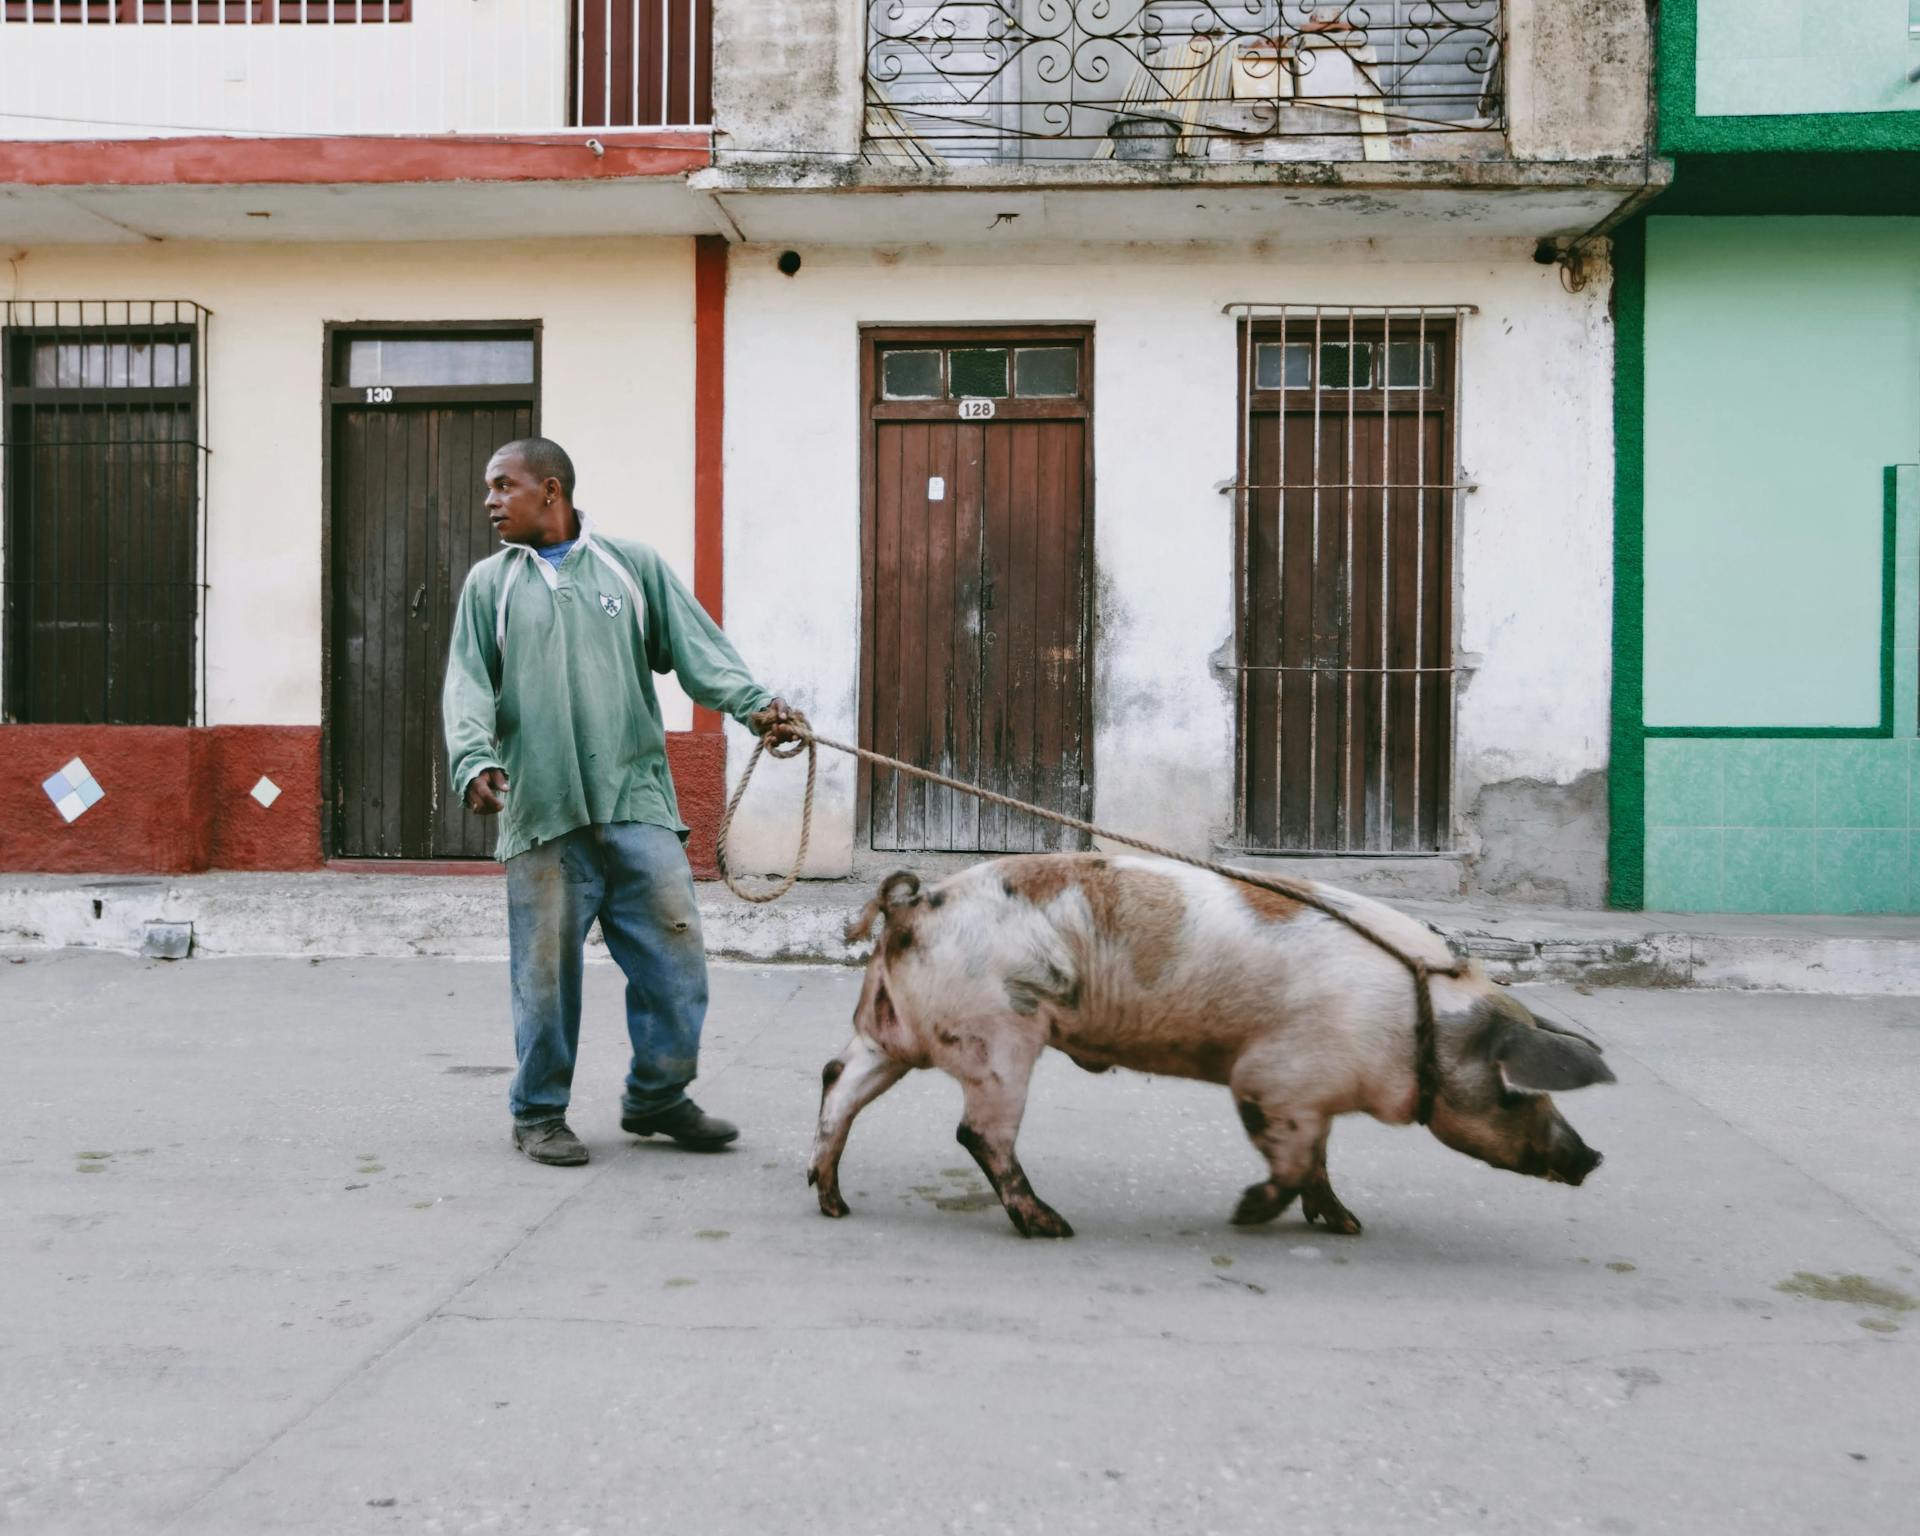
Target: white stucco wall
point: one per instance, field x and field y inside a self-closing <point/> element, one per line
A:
<point x="1535" y="567"/>
<point x="451" y="68"/>
<point x="617" y="391"/>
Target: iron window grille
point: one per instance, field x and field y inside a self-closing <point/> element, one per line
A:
<point x="1346" y="499"/>
<point x="953" y="81"/>
<point x="103" y="472"/>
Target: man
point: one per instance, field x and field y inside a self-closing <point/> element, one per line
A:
<point x="552" y="725"/>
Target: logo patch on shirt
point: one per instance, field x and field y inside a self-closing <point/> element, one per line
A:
<point x="611" y="603"/>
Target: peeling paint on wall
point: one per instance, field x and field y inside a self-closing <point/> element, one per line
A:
<point x="1535" y="575"/>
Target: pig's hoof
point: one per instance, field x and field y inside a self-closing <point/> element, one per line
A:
<point x="1039" y="1221"/>
<point x="1261" y="1203"/>
<point x="1324" y="1207"/>
<point x="830" y="1202"/>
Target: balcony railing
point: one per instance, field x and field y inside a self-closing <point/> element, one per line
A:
<point x="147" y="68"/>
<point x="980" y="81"/>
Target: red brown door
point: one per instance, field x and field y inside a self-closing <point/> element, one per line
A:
<point x="1346" y="581"/>
<point x="977" y="532"/>
<point x="409" y="521"/>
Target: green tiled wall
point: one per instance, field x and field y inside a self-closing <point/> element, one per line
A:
<point x="1783" y="825"/>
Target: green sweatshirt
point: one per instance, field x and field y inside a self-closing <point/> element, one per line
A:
<point x="550" y="677"/>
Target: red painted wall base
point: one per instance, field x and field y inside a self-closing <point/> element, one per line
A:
<point x="178" y="800"/>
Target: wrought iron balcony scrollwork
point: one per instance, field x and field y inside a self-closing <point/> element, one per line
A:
<point x="1006" y="79"/>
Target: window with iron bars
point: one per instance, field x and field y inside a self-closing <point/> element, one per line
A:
<point x="103" y="458"/>
<point x="972" y="81"/>
<point x="1344" y="565"/>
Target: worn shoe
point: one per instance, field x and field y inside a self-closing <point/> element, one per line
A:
<point x="687" y="1123"/>
<point x="549" y="1141"/>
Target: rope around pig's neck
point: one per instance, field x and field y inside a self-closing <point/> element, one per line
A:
<point x="803" y="738"/>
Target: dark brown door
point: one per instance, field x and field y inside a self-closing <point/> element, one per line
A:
<point x="409" y="521"/>
<point x="1346" y="580"/>
<point x="101" y="523"/>
<point x="975" y="646"/>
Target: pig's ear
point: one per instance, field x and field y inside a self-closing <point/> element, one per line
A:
<point x="1554" y="1028"/>
<point x="1535" y="1059"/>
<point x="899" y="889"/>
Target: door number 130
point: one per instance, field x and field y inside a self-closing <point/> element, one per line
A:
<point x="380" y="395"/>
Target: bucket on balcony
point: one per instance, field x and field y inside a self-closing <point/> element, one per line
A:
<point x="1143" y="138"/>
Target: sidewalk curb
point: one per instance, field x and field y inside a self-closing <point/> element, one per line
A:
<point x="464" y="918"/>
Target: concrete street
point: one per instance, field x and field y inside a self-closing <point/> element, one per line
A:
<point x="273" y="1266"/>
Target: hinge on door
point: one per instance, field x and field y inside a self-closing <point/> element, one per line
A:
<point x="986" y="594"/>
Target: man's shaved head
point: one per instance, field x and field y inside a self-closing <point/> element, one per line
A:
<point x="544" y="459"/>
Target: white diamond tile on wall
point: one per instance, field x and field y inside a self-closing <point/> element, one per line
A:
<point x="73" y="790"/>
<point x="266" y="791"/>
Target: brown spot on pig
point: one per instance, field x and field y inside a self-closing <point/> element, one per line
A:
<point x="1268" y="906"/>
<point x="1037" y="878"/>
<point x="1141" y="912"/>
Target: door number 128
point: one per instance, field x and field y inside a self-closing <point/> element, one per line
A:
<point x="380" y="395"/>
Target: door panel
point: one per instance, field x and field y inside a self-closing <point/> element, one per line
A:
<point x="976" y="644"/>
<point x="409" y="523"/>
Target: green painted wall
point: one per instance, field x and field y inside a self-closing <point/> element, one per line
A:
<point x="1766" y="551"/>
<point x="1772" y="57"/>
<point x="1782" y="361"/>
<point x="1800" y="824"/>
<point x="1751" y="77"/>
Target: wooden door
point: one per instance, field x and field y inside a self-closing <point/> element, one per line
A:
<point x="409" y="522"/>
<point x="1346" y="581"/>
<point x="101" y="522"/>
<point x="976" y="636"/>
<point x="416" y="412"/>
<point x="101" y="470"/>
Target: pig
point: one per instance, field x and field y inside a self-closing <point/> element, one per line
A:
<point x="1163" y="968"/>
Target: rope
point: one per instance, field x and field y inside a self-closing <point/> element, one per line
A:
<point x="803" y="737"/>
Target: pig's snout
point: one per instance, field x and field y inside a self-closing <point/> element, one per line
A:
<point x="1566" y="1160"/>
<point x="1577" y="1165"/>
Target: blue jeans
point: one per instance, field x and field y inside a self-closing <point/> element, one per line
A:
<point x="633" y="877"/>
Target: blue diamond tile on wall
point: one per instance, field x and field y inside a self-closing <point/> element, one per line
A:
<point x="73" y="790"/>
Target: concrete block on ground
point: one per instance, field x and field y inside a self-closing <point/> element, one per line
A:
<point x="167" y="941"/>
